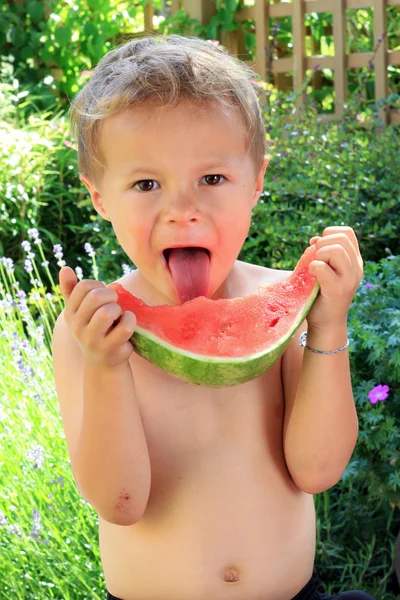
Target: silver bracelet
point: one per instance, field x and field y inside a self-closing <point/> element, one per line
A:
<point x="303" y="339"/>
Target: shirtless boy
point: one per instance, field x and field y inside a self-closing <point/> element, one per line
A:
<point x="202" y="493"/>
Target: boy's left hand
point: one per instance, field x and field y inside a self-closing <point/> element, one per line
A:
<point x="338" y="268"/>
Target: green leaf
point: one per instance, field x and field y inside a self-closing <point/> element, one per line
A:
<point x="62" y="35"/>
<point x="35" y="10"/>
<point x="17" y="37"/>
<point x="250" y="40"/>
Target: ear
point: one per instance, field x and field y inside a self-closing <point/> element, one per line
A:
<point x="259" y="183"/>
<point x="95" y="195"/>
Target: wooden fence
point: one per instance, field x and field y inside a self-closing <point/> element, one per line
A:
<point x="299" y="63"/>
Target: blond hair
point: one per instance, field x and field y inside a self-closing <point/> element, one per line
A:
<point x="161" y="70"/>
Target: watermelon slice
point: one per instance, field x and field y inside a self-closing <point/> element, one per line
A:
<point x="225" y="342"/>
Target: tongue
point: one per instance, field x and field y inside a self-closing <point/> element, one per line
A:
<point x="190" y="269"/>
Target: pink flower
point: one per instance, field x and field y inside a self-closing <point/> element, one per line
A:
<point x="86" y="73"/>
<point x="379" y="392"/>
<point x="68" y="144"/>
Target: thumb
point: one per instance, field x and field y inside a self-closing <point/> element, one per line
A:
<point x="68" y="281"/>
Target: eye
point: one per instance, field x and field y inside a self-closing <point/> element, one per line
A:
<point x="211" y="179"/>
<point x="146" y="183"/>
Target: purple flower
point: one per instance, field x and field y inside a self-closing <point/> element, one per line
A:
<point x="89" y="249"/>
<point x="379" y="392"/>
<point x="36" y="454"/>
<point x="28" y="266"/>
<point x="8" y="263"/>
<point x="37" y="523"/>
<point x="34" y="234"/>
<point x="371" y="286"/>
<point x="58" y="253"/>
<point x="15" y="530"/>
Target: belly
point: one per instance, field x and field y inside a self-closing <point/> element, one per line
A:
<point x="236" y="527"/>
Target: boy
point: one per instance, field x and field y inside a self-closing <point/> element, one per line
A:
<point x="202" y="493"/>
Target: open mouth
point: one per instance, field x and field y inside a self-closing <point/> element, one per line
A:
<point x="168" y="251"/>
<point x="189" y="268"/>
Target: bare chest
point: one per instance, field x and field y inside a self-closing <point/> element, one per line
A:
<point x="195" y="432"/>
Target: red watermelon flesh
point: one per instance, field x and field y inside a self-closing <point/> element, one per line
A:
<point x="227" y="341"/>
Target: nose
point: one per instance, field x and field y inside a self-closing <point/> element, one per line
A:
<point x="182" y="211"/>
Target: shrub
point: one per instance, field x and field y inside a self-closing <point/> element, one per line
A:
<point x="358" y="519"/>
<point x="38" y="182"/>
<point x="337" y="173"/>
<point x="374" y="328"/>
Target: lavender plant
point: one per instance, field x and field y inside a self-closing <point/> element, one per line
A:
<point x="38" y="497"/>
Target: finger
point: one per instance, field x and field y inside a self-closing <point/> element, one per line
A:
<point x="341" y="240"/>
<point x="123" y="330"/>
<point x="93" y="300"/>
<point x="325" y="275"/>
<point x="314" y="240"/>
<point x="79" y="294"/>
<point x="68" y="281"/>
<point x="336" y="257"/>
<point x="347" y="231"/>
<point x="101" y="322"/>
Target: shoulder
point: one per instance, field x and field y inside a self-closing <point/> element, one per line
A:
<point x="133" y="284"/>
<point x="257" y="275"/>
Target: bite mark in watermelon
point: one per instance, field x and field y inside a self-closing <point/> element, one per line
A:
<point x="225" y="342"/>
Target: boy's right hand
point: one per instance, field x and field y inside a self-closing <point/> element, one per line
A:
<point x="91" y="313"/>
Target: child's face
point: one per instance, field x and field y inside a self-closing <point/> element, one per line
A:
<point x="197" y="188"/>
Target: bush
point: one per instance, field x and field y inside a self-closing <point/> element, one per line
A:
<point x="358" y="519"/>
<point x="38" y="182"/>
<point x="374" y="328"/>
<point x="338" y="173"/>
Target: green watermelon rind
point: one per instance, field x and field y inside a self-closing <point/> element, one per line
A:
<point x="213" y="371"/>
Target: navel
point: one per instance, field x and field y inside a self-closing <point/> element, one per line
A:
<point x="231" y="574"/>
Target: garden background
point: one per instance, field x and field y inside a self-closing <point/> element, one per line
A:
<point x="339" y="172"/>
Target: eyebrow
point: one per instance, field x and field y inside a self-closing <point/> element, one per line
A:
<point x="211" y="164"/>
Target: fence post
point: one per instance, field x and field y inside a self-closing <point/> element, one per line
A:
<point x="381" y="75"/>
<point x="202" y="10"/>
<point x="148" y="16"/>
<point x="175" y="6"/>
<point x="262" y="42"/>
<point x="299" y="36"/>
<point x="339" y="35"/>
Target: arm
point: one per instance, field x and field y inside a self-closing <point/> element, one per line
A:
<point x="320" y="424"/>
<point x="112" y="464"/>
<point x="95" y="387"/>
